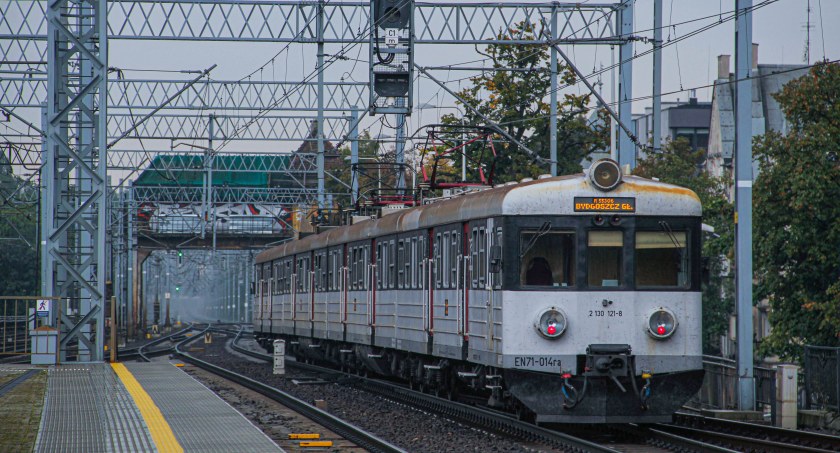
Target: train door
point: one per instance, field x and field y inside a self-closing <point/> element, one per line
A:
<point x="303" y="322"/>
<point x="343" y="289"/>
<point x="448" y="299"/>
<point x="411" y="307"/>
<point x="265" y="294"/>
<point x="480" y="303"/>
<point x="359" y="294"/>
<point x="383" y="308"/>
<point x="272" y="291"/>
<point x="429" y="288"/>
<point x="258" y="309"/>
<point x="320" y="293"/>
<point x="288" y="291"/>
<point x="333" y="315"/>
<point x="371" y="274"/>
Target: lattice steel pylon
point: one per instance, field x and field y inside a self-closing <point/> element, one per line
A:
<point x="74" y="177"/>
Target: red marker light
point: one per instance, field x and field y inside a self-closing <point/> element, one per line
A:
<point x="660" y="330"/>
<point x="551" y="329"/>
<point x="566" y="375"/>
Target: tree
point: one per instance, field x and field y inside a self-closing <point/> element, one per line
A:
<point x="376" y="168"/>
<point x="797" y="235"/>
<point x="516" y="99"/>
<point x="18" y="217"/>
<point x="678" y="164"/>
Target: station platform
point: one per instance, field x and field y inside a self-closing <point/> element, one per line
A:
<point x="140" y="407"/>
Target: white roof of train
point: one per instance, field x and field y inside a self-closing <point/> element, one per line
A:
<point x="551" y="196"/>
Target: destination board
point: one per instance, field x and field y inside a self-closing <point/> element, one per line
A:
<point x="605" y="204"/>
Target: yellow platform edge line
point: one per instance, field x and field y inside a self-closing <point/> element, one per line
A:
<point x="159" y="428"/>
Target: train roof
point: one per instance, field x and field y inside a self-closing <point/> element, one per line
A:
<point x="549" y="196"/>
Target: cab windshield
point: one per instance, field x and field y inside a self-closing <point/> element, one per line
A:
<point x="662" y="259"/>
<point x="547" y="257"/>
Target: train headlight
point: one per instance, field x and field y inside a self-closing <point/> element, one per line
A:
<point x="662" y="324"/>
<point x="551" y="323"/>
<point x="605" y="174"/>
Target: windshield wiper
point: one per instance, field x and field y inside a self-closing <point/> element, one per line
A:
<point x="544" y="228"/>
<point x="666" y="227"/>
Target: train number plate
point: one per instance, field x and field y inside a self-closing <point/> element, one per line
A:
<point x="530" y="361"/>
<point x="605" y="313"/>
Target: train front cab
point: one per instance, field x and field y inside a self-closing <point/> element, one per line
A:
<point x="605" y="316"/>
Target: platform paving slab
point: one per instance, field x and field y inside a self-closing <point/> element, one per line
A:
<point x="87" y="409"/>
<point x="200" y="420"/>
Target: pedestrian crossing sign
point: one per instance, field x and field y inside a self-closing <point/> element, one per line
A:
<point x="43" y="307"/>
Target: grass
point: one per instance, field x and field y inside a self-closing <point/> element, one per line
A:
<point x="20" y="414"/>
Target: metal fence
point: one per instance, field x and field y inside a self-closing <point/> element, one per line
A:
<point x="18" y="318"/>
<point x="720" y="387"/>
<point x="822" y="378"/>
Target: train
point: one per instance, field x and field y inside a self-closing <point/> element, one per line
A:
<point x="570" y="299"/>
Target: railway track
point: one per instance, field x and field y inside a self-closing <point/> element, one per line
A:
<point x="750" y="436"/>
<point x="688" y="433"/>
<point x="348" y="431"/>
<point x="146" y="351"/>
<point x="471" y="415"/>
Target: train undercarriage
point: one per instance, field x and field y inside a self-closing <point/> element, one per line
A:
<point x="609" y="391"/>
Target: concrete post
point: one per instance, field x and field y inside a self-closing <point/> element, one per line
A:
<point x="320" y="134"/>
<point x="786" y="394"/>
<point x="656" y="114"/>
<point x="626" y="147"/>
<point x="743" y="204"/>
<point x="552" y="120"/>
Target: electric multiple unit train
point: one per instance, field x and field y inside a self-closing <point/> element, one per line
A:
<point x="572" y="299"/>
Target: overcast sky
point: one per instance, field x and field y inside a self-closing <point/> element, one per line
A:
<point x="779" y="27"/>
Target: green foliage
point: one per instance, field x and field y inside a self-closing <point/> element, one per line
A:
<point x="678" y="164"/>
<point x="18" y="260"/>
<point x="797" y="234"/>
<point x="516" y="100"/>
<point x="375" y="165"/>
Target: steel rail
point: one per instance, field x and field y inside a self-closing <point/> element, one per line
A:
<point x="144" y="354"/>
<point x="738" y="442"/>
<point x="790" y="437"/>
<point x="350" y="432"/>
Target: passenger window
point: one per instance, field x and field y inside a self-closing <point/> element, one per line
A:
<point x="473" y="265"/>
<point x="454" y="254"/>
<point x="380" y="258"/>
<point x="412" y="264"/>
<point x="662" y="259"/>
<point x="439" y="267"/>
<point x="605" y="261"/>
<point x="354" y="268"/>
<point x="481" y="266"/>
<point x="392" y="265"/>
<point x="547" y="258"/>
<point x="496" y="240"/>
